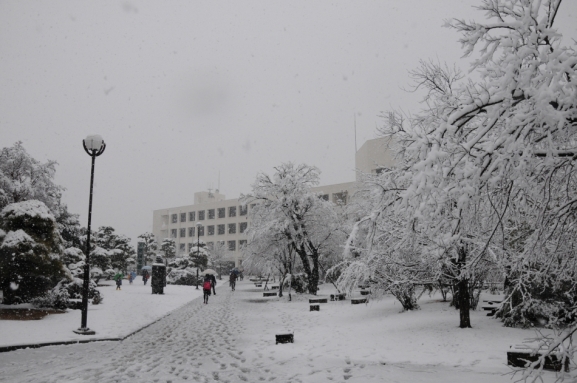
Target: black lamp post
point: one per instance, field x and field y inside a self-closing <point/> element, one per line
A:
<point x="93" y="145"/>
<point x="198" y="226"/>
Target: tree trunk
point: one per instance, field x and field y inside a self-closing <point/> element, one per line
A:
<point x="281" y="282"/>
<point x="314" y="275"/>
<point x="464" y="299"/>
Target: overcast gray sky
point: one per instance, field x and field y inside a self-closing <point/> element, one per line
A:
<point x="183" y="90"/>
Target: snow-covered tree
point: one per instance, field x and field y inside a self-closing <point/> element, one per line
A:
<point x="486" y="172"/>
<point x="118" y="249"/>
<point x="150" y="246"/>
<point x="23" y="178"/>
<point x="286" y="206"/>
<point x="30" y="248"/>
<point x="220" y="258"/>
<point x="168" y="247"/>
<point x="199" y="255"/>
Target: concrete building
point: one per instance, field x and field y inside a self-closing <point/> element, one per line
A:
<point x="212" y="218"/>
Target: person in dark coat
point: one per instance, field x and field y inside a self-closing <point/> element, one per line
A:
<point x="206" y="287"/>
<point x="232" y="280"/>
<point x="145" y="276"/>
<point x="213" y="281"/>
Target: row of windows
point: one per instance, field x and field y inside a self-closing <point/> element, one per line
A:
<point x="231" y="245"/>
<point x="221" y="229"/>
<point x="212" y="214"/>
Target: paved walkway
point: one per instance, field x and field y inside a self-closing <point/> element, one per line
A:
<point x="194" y="343"/>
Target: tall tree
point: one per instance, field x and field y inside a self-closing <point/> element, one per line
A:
<point x="490" y="164"/>
<point x="287" y="204"/>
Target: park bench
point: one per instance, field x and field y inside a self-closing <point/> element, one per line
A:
<point x="338" y="297"/>
<point x="491" y="305"/>
<point x="365" y="292"/>
<point x="315" y="308"/>
<point x="318" y="300"/>
<point x="274" y="287"/>
<point x="521" y="354"/>
<point x="356" y="301"/>
<point x="269" y="294"/>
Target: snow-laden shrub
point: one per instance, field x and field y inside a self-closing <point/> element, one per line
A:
<point x="74" y="289"/>
<point x="181" y="277"/>
<point x="109" y="274"/>
<point x="539" y="301"/>
<point x="299" y="283"/>
<point x="405" y="293"/>
<point x="54" y="299"/>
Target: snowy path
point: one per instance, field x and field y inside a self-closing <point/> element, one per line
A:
<point x="196" y="343"/>
<point x="232" y="340"/>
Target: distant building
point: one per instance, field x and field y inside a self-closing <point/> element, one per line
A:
<point x="212" y="218"/>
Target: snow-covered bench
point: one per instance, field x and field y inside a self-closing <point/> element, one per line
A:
<point x="338" y="297"/>
<point x="491" y="305"/>
<point x="285" y="338"/>
<point x="522" y="354"/>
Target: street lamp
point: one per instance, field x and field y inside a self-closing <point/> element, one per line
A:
<point x="198" y="226"/>
<point x="93" y="145"/>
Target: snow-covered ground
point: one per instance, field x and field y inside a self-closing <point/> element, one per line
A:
<point x="232" y="339"/>
<point x="121" y="313"/>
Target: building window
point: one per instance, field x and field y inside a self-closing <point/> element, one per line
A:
<point x="325" y="197"/>
<point x="210" y="229"/>
<point x="201" y="215"/>
<point x="232" y="211"/>
<point x="172" y="233"/>
<point x="191" y="231"/>
<point x="232" y="228"/>
<point x="174" y="218"/>
<point x="242" y="227"/>
<point x="232" y="245"/>
<point x="181" y="247"/>
<point x="221" y="212"/>
<point x="243" y="209"/>
<point x="241" y="243"/>
<point x="210" y="213"/>
<point x="183" y="232"/>
<point x="220" y="243"/>
<point x="210" y="246"/>
<point x="182" y="217"/>
<point x="189" y="247"/>
<point x="221" y="229"/>
<point x="340" y="198"/>
<point x="200" y="231"/>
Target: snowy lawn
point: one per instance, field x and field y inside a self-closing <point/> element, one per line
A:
<point x="120" y="314"/>
<point x="365" y="338"/>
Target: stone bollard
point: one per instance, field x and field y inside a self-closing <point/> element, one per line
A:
<point x="158" y="280"/>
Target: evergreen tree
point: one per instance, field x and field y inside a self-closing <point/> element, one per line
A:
<point x="30" y="248"/>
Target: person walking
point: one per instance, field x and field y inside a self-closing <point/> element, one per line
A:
<point x="130" y="278"/>
<point x="145" y="276"/>
<point x="232" y="280"/>
<point x="213" y="282"/>
<point x="118" y="278"/>
<point x="206" y="287"/>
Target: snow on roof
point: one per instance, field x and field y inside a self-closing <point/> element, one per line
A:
<point x="13" y="238"/>
<point x="31" y="207"/>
